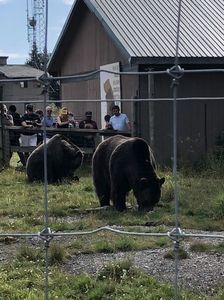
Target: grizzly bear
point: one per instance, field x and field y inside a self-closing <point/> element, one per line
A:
<point x="63" y="158"/>
<point x="121" y="164"/>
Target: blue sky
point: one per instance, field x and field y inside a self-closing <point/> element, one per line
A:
<point x="13" y="27"/>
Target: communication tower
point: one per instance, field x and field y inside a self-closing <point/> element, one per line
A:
<point x="36" y="24"/>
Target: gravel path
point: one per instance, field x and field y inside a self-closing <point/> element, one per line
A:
<point x="200" y="272"/>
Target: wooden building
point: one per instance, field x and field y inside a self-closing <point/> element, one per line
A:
<point x="19" y="83"/>
<point x="141" y="36"/>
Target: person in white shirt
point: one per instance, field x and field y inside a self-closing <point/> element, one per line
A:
<point x="119" y="121"/>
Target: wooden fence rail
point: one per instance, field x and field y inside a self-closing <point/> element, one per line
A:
<point x="6" y="148"/>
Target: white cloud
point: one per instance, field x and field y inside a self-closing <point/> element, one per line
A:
<point x="13" y="55"/>
<point x="67" y="2"/>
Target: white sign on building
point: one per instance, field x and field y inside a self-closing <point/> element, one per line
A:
<point x="110" y="89"/>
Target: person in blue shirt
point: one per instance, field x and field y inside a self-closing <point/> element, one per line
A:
<point x="48" y="119"/>
<point x="119" y="121"/>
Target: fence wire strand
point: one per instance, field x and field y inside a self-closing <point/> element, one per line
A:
<point x="131" y="100"/>
<point x="97" y="72"/>
<point x="172" y="234"/>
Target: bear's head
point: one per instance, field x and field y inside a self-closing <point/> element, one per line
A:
<point x="148" y="192"/>
<point x="73" y="156"/>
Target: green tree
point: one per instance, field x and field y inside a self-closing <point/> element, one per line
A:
<point x="39" y="61"/>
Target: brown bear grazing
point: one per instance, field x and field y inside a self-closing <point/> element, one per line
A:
<point x="63" y="158"/>
<point x="122" y="163"/>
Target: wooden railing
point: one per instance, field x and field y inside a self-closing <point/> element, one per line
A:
<point x="68" y="132"/>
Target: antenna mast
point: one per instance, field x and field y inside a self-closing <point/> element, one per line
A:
<point x="36" y="25"/>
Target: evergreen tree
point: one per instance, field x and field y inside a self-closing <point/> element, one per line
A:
<point x="39" y="60"/>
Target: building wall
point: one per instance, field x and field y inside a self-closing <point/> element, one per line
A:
<point x="90" y="47"/>
<point x="199" y="122"/>
<point x="12" y="91"/>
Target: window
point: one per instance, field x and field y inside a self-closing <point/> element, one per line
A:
<point x="23" y="84"/>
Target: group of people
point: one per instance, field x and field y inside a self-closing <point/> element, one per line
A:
<point x="30" y="119"/>
<point x="65" y="119"/>
<point x="118" y="121"/>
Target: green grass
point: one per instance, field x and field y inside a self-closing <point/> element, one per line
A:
<point x="207" y="247"/>
<point x="109" y="243"/>
<point x="119" y="280"/>
<point x="201" y="206"/>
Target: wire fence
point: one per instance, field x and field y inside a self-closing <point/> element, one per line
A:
<point x="177" y="235"/>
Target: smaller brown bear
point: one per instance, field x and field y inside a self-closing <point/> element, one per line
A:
<point x="121" y="164"/>
<point x="63" y="158"/>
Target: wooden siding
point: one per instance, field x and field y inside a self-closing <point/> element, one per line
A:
<point x="199" y="122"/>
<point x="89" y="49"/>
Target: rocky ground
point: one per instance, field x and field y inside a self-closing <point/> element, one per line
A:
<point x="200" y="272"/>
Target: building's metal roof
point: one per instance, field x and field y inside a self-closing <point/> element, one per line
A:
<point x="148" y="28"/>
<point x="19" y="71"/>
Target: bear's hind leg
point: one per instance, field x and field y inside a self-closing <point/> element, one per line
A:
<point x="104" y="196"/>
<point x="104" y="200"/>
<point x="118" y="200"/>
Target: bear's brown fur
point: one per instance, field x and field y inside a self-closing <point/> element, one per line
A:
<point x="63" y="158"/>
<point x="121" y="164"/>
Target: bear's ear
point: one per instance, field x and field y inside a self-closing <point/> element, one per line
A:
<point x="161" y="181"/>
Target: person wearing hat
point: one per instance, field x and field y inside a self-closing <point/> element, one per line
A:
<point x="29" y="120"/>
<point x="88" y="123"/>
